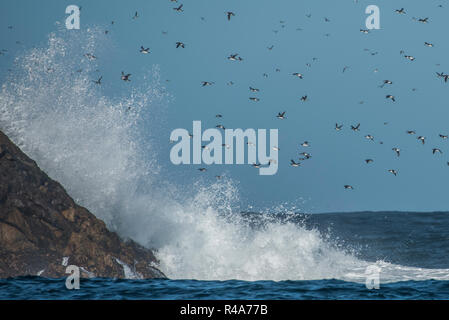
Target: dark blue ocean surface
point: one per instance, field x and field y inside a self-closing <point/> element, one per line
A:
<point x="40" y="288"/>
<point x="412" y="250"/>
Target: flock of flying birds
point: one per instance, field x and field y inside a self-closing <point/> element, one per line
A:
<point x="303" y="156"/>
<point x="282" y="115"/>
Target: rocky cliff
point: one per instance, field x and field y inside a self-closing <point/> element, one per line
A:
<point x="42" y="229"/>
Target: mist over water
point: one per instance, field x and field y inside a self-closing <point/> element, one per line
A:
<point x="97" y="147"/>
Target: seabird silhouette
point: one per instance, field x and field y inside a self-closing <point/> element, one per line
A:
<point x="98" y="81"/>
<point x="294" y="164"/>
<point x="281" y="115"/>
<point x="144" y="50"/>
<point x="393" y="172"/>
<point x="397" y="150"/>
<point x="125" y="77"/>
<point x="179" y="9"/>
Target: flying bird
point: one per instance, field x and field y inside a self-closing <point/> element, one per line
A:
<point x="294" y="164"/>
<point x="235" y="57"/>
<point x="144" y="50"/>
<point x="253" y="89"/>
<point x="281" y="115"/>
<point x="179" y="9"/>
<point x="125" y="77"/>
<point x="397" y="150"/>
<point x="229" y="15"/>
<point x="393" y="172"/>
<point x="385" y="82"/>
<point x="389" y="96"/>
<point x="98" y="81"/>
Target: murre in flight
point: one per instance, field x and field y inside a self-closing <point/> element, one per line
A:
<point x="385" y="82"/>
<point x="422" y="139"/>
<point x="180" y="44"/>
<point x="423" y="20"/>
<point x="355" y="128"/>
<point x="294" y="164"/>
<point x="393" y="172"/>
<point x="281" y="115"/>
<point x="235" y="57"/>
<point x="442" y="75"/>
<point x="230" y="14"/>
<point x="436" y="150"/>
<point x="389" y="96"/>
<point x="98" y="81"/>
<point x="144" y="50"/>
<point x="338" y="127"/>
<point x="125" y="77"/>
<point x="397" y="150"/>
<point x="348" y="187"/>
<point x="179" y="9"/>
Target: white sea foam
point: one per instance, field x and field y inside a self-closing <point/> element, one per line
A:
<point x="95" y="146"/>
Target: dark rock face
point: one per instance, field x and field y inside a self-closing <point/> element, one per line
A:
<point x="42" y="228"/>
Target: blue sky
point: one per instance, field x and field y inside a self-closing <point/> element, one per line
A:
<point x="334" y="96"/>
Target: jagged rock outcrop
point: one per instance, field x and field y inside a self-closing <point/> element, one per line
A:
<point x="42" y="229"/>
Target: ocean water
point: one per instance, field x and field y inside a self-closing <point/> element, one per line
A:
<point x="410" y="259"/>
<point x="104" y="150"/>
<point x="109" y="289"/>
